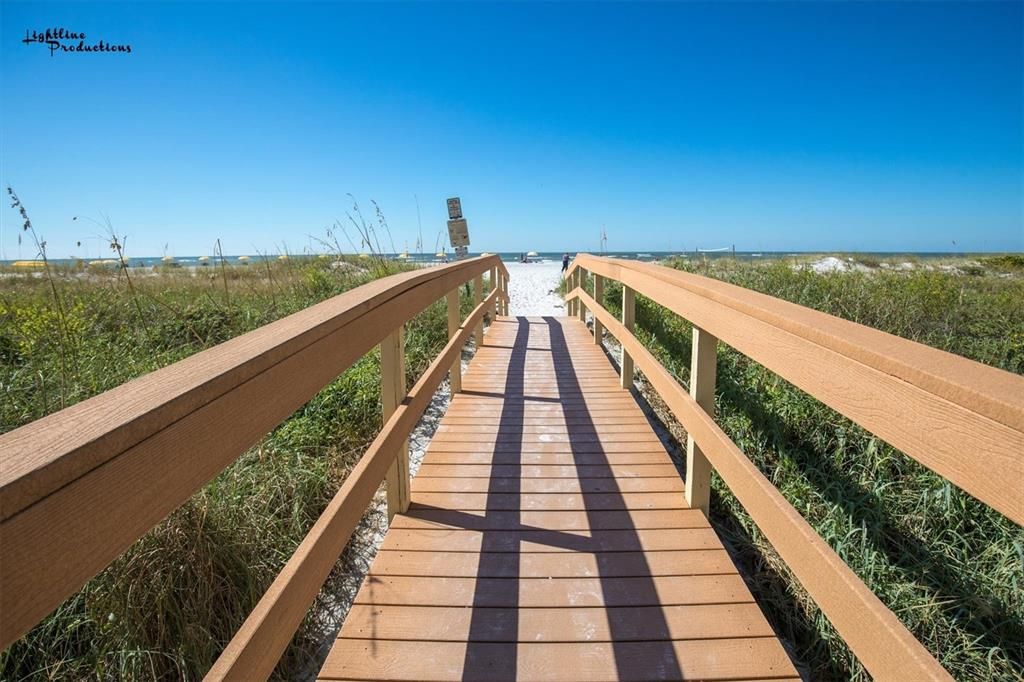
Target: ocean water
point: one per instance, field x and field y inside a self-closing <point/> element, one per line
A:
<point x="512" y="257"/>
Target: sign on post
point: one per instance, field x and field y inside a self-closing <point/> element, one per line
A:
<point x="454" y="208"/>
<point x="458" y="229"/>
<point x="458" y="232"/>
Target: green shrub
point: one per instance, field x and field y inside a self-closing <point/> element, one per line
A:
<point x="1007" y="262"/>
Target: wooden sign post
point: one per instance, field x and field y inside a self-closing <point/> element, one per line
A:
<point x="458" y="229"/>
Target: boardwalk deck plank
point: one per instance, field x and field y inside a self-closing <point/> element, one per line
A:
<point x="549" y="538"/>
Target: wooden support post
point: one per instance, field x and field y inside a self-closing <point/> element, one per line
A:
<point x="496" y="281"/>
<point x="576" y="283"/>
<point x="504" y="291"/>
<point x="628" y="321"/>
<point x="494" y="285"/>
<point x="581" y="282"/>
<point x="478" y="297"/>
<point x="599" y="297"/>
<point x="702" y="389"/>
<point x="392" y="393"/>
<point x="454" y="322"/>
<point x="570" y="305"/>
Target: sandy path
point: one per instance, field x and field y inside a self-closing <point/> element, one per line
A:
<point x="533" y="289"/>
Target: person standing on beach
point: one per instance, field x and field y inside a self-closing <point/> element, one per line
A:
<point x="565" y="262"/>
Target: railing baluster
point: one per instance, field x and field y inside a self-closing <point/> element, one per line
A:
<point x="392" y="392"/>
<point x="454" y="322"/>
<point x="599" y="297"/>
<point x="581" y="282"/>
<point x="478" y="297"/>
<point x="570" y="305"/>
<point x="504" y="291"/>
<point x="628" y="320"/>
<point x="703" y="365"/>
<point x="501" y="288"/>
<point x="494" y="285"/>
<point x="575" y="284"/>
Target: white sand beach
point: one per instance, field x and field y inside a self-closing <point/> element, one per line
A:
<point x="533" y="288"/>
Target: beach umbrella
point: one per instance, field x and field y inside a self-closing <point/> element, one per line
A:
<point x="532" y="254"/>
<point x="204" y="259"/>
<point x="244" y="260"/>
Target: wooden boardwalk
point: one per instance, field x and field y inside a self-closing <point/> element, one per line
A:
<point x="547" y="534"/>
<point x="549" y="538"/>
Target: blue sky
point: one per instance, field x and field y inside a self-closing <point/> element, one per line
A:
<point x="771" y="126"/>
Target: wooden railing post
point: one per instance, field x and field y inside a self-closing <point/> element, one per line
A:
<point x="599" y="297"/>
<point x="392" y="393"/>
<point x="494" y="285"/>
<point x="581" y="282"/>
<point x="628" y="321"/>
<point x="501" y="288"/>
<point x="454" y="322"/>
<point x="504" y="291"/>
<point x="478" y="297"/>
<point x="570" y="305"/>
<point x="702" y="388"/>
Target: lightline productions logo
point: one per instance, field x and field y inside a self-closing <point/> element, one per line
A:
<point x="65" y="41"/>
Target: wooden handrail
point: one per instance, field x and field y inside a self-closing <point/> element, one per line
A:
<point x="878" y="638"/>
<point x="254" y="651"/>
<point x="893" y="387"/>
<point x="989" y="391"/>
<point x="79" y="486"/>
<point x="912" y="396"/>
<point x="52" y="451"/>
